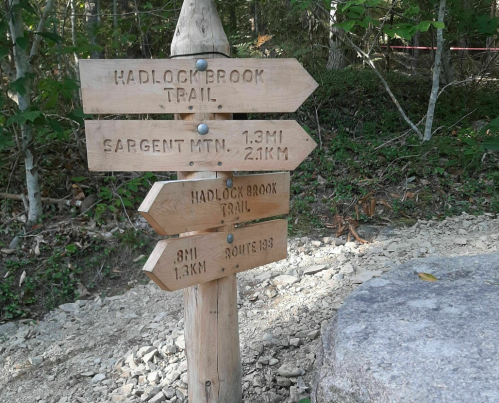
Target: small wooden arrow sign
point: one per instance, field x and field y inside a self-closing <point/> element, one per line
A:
<point x="175" y="207"/>
<point x="183" y="262"/>
<point x="176" y="86"/>
<point x="176" y="145"/>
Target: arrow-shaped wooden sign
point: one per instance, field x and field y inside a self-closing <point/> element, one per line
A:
<point x="182" y="262"/>
<point x="177" y="86"/>
<point x="176" y="207"/>
<point x="175" y="145"/>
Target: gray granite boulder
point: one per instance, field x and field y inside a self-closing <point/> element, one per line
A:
<point x="398" y="339"/>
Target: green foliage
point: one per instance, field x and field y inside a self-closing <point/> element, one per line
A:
<point x="116" y="194"/>
<point x="52" y="278"/>
<point x="359" y="155"/>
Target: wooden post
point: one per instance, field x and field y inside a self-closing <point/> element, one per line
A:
<point x="210" y="309"/>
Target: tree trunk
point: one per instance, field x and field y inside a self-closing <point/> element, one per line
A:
<point x="115" y="14"/>
<point x="415" y="53"/>
<point x="491" y="40"/>
<point x="24" y="101"/>
<point x="77" y="98"/>
<point x="232" y="18"/>
<point x="23" y="63"/>
<point x="436" y="75"/>
<point x="92" y="21"/>
<point x="336" y="59"/>
<point x="389" y="43"/>
<point x="255" y="19"/>
<point x="447" y="75"/>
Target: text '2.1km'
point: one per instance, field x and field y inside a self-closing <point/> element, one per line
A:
<point x="166" y="145"/>
<point x="175" y="207"/>
<point x="175" y="86"/>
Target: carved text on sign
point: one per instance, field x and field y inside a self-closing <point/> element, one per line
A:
<point x="174" y="207"/>
<point x="187" y="264"/>
<point x="186" y="261"/>
<point x="185" y="79"/>
<point x="249" y="248"/>
<point x="176" y="145"/>
<point x="176" y="86"/>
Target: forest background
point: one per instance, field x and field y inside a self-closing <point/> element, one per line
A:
<point x="406" y="118"/>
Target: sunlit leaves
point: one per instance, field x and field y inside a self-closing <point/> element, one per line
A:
<point x="404" y="31"/>
<point x="424" y="26"/>
<point x="438" y="24"/>
<point x="346" y="25"/>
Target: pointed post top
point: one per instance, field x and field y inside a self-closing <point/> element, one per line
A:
<point x="199" y="29"/>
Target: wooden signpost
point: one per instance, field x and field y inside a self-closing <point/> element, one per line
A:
<point x="176" y="207"/>
<point x="167" y="145"/>
<point x="176" y="86"/>
<point x="204" y="206"/>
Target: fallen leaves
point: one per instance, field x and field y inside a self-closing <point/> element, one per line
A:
<point x="23" y="277"/>
<point x="342" y="224"/>
<point x="427" y="277"/>
<point x="81" y="289"/>
<point x="138" y="258"/>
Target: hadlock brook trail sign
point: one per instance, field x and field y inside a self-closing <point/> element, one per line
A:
<point x="177" y="86"/>
<point x="176" y="207"/>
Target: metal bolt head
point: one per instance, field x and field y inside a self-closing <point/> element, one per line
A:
<point x="230" y="238"/>
<point x="229" y="183"/>
<point x="203" y="129"/>
<point x="201" y="64"/>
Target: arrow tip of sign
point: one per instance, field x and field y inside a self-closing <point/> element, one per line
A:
<point x="155" y="256"/>
<point x="158" y="282"/>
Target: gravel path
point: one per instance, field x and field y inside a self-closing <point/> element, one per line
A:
<point x="130" y="348"/>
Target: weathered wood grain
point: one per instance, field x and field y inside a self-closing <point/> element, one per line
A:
<point x="210" y="309"/>
<point x="175" y="207"/>
<point x="183" y="262"/>
<point x="168" y="145"/>
<point x="175" y="86"/>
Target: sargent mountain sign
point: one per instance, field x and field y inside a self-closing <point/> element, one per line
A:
<point x="168" y="145"/>
<point x="177" y="86"/>
<point x="176" y="207"/>
<point x="182" y="262"/>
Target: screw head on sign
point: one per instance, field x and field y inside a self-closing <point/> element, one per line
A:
<point x="229" y="183"/>
<point x="203" y="129"/>
<point x="201" y="64"/>
<point x="230" y="238"/>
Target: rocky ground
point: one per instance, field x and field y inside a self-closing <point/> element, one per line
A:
<point x="130" y="348"/>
